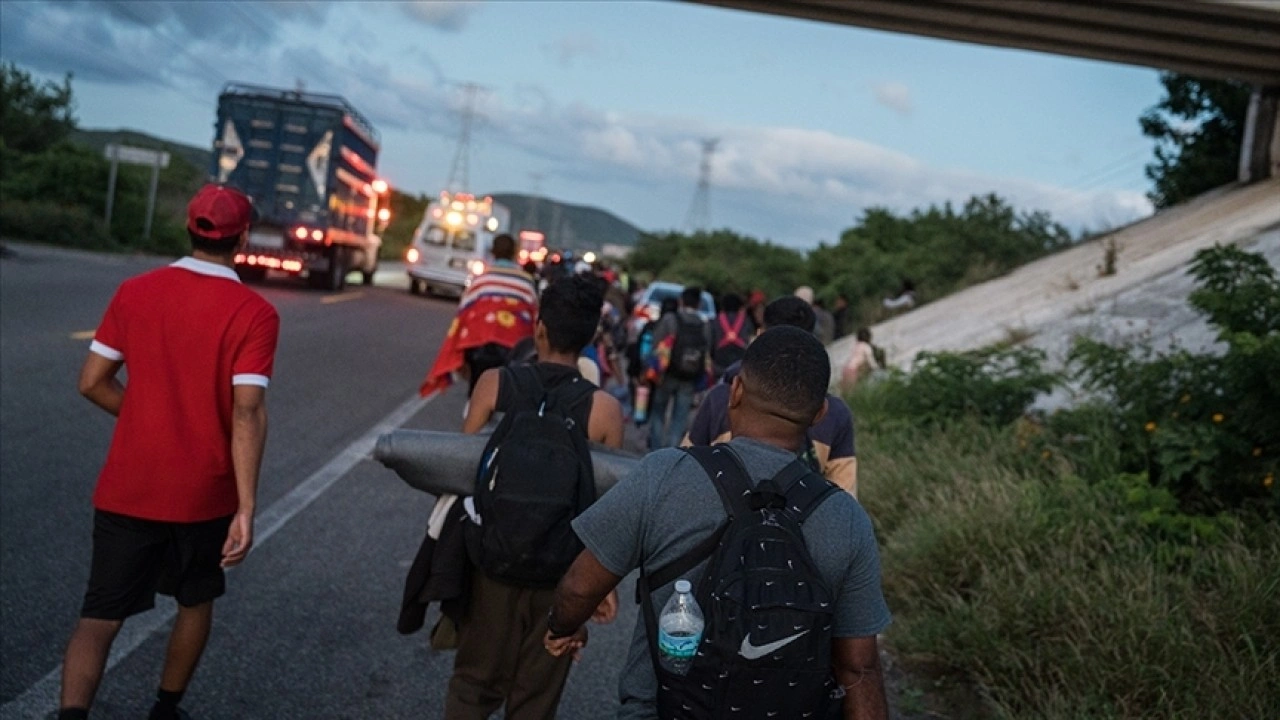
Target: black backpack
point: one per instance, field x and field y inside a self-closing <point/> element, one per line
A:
<point x="766" y="647"/>
<point x="689" y="353"/>
<point x="535" y="476"/>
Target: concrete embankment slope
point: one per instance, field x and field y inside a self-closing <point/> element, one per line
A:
<point x="1051" y="299"/>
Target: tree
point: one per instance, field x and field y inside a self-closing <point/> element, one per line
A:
<point x="34" y="116"/>
<point x="1198" y="127"/>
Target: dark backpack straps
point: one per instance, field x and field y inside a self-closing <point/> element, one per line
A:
<point x="569" y="394"/>
<point x="726" y="472"/>
<point x="728" y="475"/>
<point x="804" y="489"/>
<point x="520" y="389"/>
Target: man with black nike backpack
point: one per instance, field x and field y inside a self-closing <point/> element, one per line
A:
<point x="783" y="566"/>
<point x="535" y="476"/>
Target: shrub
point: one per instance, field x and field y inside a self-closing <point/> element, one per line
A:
<point x="1063" y="598"/>
<point x="1204" y="426"/>
<point x="995" y="385"/>
<point x="70" y="226"/>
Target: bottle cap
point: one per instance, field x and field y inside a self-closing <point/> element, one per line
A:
<point x="683" y="586"/>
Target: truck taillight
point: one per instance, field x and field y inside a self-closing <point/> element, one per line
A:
<point x="412" y="255"/>
<point x="477" y="267"/>
<point x="317" y="235"/>
<point x="300" y="233"/>
<point x="384" y="214"/>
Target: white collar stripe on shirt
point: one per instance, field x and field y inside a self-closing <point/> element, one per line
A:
<point x="204" y="267"/>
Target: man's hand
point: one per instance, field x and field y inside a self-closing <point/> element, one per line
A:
<point x="573" y="643"/>
<point x="239" y="539"/>
<point x="607" y="611"/>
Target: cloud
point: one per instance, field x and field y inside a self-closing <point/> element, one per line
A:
<point x="568" y="48"/>
<point x="792" y="184"/>
<point x="895" y="96"/>
<point x="448" y="16"/>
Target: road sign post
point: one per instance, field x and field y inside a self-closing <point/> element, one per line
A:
<point x="157" y="159"/>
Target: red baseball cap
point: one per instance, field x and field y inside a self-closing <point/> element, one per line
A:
<point x="218" y="211"/>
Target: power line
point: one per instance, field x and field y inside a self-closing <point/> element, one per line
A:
<point x="460" y="171"/>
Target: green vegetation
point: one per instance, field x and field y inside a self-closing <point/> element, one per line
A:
<point x="721" y="261"/>
<point x="940" y="250"/>
<point x="1198" y="127"/>
<point x="53" y="189"/>
<point x="1082" y="565"/>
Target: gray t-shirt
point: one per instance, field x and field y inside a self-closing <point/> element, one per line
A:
<point x="663" y="509"/>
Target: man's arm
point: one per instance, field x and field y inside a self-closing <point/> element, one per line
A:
<point x="99" y="384"/>
<point x="579" y="593"/>
<point x="856" y="665"/>
<point x="248" y="438"/>
<point x="484" y="401"/>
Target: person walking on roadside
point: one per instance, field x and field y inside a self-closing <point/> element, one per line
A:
<point x="682" y="343"/>
<point x="732" y="331"/>
<point x="831" y="449"/>
<point x="840" y="313"/>
<point x="824" y="324"/>
<point x="494" y="314"/>
<point x="862" y="361"/>
<point x="790" y="629"/>
<point x="174" y="503"/>
<point x="519" y="524"/>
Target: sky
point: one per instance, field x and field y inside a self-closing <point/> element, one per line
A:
<point x="606" y="103"/>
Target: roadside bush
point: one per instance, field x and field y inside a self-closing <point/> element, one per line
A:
<point x="1114" y="560"/>
<point x="70" y="226"/>
<point x="1204" y="426"/>
<point x="994" y="385"/>
<point x="1060" y="597"/>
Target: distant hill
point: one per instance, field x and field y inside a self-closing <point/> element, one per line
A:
<point x="568" y="226"/>
<point x="99" y="139"/>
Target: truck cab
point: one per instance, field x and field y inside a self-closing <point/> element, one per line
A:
<point x="452" y="244"/>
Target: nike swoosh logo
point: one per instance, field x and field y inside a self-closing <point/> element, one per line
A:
<point x="755" y="652"/>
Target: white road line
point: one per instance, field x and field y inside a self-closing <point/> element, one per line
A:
<point x="42" y="697"/>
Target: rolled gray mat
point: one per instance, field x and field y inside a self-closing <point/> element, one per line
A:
<point x="445" y="462"/>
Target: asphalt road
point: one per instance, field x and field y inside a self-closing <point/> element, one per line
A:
<point x="307" y="629"/>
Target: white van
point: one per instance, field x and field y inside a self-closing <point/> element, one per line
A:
<point x="452" y="244"/>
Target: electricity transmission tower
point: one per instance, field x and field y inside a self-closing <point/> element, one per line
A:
<point x="460" y="172"/>
<point x="699" y="216"/>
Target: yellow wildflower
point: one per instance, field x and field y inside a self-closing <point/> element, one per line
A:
<point x="1185" y="399"/>
<point x="1046" y="454"/>
<point x="1151" y="426"/>
<point x="1219" y="417"/>
<point x="1257" y="452"/>
<point x="1268" y="481"/>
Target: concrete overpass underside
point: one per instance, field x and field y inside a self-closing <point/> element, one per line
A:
<point x="1221" y="39"/>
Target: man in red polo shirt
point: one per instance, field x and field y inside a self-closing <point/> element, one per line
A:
<point x="175" y="500"/>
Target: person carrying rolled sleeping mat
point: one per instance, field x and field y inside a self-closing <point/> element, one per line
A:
<point x="535" y="476"/>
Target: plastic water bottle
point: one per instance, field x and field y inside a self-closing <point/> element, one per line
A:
<point x="679" y="630"/>
<point x="641" y="411"/>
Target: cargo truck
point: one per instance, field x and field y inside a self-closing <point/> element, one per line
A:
<point x="309" y="162"/>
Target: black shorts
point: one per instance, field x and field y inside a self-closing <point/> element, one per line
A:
<point x="133" y="559"/>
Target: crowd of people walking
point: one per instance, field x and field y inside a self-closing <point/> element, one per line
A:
<point x="759" y="575"/>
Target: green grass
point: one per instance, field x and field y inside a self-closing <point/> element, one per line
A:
<point x="1049" y="592"/>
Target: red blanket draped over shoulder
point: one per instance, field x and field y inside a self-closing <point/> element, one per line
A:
<point x="499" y="307"/>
